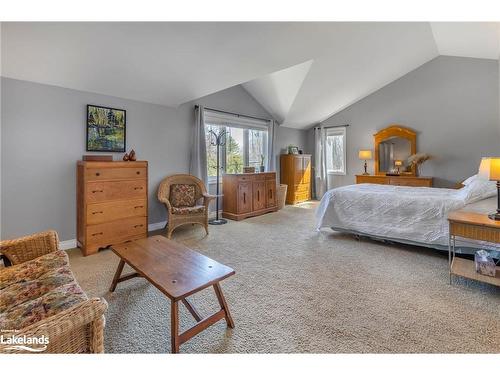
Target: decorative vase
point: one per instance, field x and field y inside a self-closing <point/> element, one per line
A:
<point x="262" y="168"/>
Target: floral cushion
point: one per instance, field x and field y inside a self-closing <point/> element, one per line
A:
<point x="182" y="195"/>
<point x="188" y="210"/>
<point x="37" y="289"/>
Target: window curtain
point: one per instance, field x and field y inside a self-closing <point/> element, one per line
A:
<point x="271" y="137"/>
<point x="320" y="172"/>
<point x="198" y="159"/>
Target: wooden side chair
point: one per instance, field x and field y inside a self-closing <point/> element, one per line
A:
<point x="186" y="199"/>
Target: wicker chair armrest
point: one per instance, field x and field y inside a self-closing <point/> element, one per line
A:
<point x="86" y="320"/>
<point x="167" y="203"/>
<point x="29" y="247"/>
<point x="207" y="198"/>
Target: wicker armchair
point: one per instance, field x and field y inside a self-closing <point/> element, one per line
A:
<point x="176" y="217"/>
<point x="79" y="328"/>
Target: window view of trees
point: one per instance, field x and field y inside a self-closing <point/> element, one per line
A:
<point x="335" y="153"/>
<point x="243" y="147"/>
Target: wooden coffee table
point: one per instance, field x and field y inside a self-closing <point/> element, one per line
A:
<point x="177" y="272"/>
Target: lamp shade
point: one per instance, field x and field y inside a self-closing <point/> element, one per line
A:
<point x="489" y="169"/>
<point x="398" y="163"/>
<point x="365" y="154"/>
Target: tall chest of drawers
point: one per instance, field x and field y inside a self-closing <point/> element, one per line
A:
<point x="296" y="173"/>
<point x="112" y="203"/>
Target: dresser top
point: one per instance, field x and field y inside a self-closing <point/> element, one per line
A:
<point x="113" y="164"/>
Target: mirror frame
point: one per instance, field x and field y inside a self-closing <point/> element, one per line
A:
<point x="395" y="131"/>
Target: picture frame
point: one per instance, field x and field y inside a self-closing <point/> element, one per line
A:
<point x="293" y="150"/>
<point x="106" y="129"/>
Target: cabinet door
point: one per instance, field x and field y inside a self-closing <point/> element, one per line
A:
<point x="271" y="193"/>
<point x="259" y="195"/>
<point x="244" y="197"/>
<point x="306" y="168"/>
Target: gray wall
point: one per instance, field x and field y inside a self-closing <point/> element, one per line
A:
<point x="453" y="104"/>
<point x="43" y="135"/>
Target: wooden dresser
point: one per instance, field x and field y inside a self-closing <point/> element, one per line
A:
<point x="394" y="180"/>
<point x="112" y="203"/>
<point x="295" y="171"/>
<point x="248" y="194"/>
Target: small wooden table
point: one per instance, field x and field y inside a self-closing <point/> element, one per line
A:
<point x="474" y="226"/>
<point x="177" y="272"/>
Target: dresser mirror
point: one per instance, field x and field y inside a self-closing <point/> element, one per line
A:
<point x="393" y="146"/>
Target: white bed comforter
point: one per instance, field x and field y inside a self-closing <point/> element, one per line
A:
<point x="414" y="214"/>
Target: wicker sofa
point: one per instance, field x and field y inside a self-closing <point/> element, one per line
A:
<point x="39" y="296"/>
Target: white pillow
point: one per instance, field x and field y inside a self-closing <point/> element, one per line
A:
<point x="477" y="189"/>
<point x="470" y="179"/>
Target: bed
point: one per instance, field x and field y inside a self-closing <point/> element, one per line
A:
<point x="412" y="215"/>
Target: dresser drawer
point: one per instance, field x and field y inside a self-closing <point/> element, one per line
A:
<point x="118" y="230"/>
<point x="97" y="174"/>
<point x="113" y="190"/>
<point x="382" y="180"/>
<point x="300" y="197"/>
<point x="302" y="188"/>
<point x="109" y="211"/>
<point x="410" y="182"/>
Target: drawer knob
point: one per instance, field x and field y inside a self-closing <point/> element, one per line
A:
<point x="97" y="191"/>
<point x="97" y="174"/>
<point x="138" y="226"/>
<point x="97" y="234"/>
<point x="138" y="172"/>
<point x="138" y="206"/>
<point x="138" y="188"/>
<point x="97" y="212"/>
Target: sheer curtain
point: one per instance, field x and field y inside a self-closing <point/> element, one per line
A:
<point x="198" y="159"/>
<point x="271" y="136"/>
<point x="320" y="171"/>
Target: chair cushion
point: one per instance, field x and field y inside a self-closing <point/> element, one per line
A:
<point x="182" y="195"/>
<point x="188" y="210"/>
<point x="37" y="289"/>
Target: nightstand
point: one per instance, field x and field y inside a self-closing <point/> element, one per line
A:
<point x="473" y="226"/>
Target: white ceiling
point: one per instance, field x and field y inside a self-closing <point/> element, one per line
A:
<point x="301" y="73"/>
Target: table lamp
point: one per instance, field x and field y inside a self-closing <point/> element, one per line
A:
<point x="365" y="155"/>
<point x="490" y="169"/>
<point x="398" y="163"/>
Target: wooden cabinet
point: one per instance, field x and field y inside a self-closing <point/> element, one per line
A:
<point x="394" y="180"/>
<point x="248" y="194"/>
<point x="296" y="173"/>
<point x="112" y="203"/>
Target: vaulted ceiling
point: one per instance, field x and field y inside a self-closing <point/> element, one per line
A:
<point x="301" y="73"/>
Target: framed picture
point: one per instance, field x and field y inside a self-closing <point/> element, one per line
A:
<point x="106" y="129"/>
<point x="293" y="150"/>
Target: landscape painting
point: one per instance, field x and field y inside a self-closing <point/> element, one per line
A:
<point x="105" y="129"/>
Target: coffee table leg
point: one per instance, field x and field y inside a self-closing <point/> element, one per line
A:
<point x="174" y="326"/>
<point x="117" y="275"/>
<point x="223" y="305"/>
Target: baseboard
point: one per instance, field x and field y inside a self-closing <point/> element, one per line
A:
<point x="66" y="245"/>
<point x="156" y="226"/>
<point x="71" y="244"/>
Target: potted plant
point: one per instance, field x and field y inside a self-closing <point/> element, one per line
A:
<point x="417" y="160"/>
<point x="262" y="157"/>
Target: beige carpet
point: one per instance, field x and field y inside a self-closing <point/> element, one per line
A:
<point x="297" y="290"/>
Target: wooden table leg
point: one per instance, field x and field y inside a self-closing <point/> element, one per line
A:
<point x="196" y="315"/>
<point x="174" y="326"/>
<point x="223" y="305"/>
<point x="117" y="275"/>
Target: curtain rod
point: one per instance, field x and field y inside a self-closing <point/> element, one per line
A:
<point x="234" y="114"/>
<point x="332" y="126"/>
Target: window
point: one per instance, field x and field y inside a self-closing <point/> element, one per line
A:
<point x="246" y="143"/>
<point x="336" y="151"/>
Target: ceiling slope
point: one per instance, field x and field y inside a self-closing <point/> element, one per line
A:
<point x="467" y="39"/>
<point x="301" y="73"/>
<point x="276" y="92"/>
